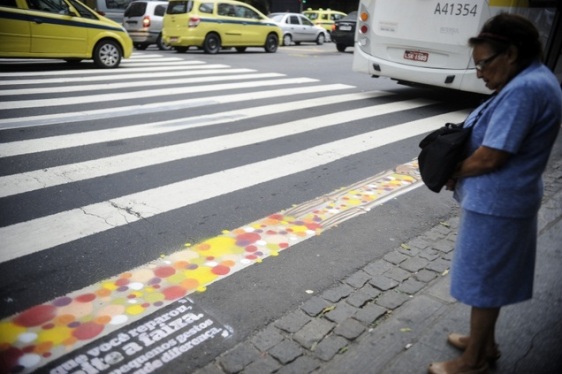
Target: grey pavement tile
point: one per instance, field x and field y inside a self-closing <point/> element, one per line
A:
<point x="410" y="251"/>
<point x="414" y="264"/>
<point x="439" y="265"/>
<point x="236" y="359"/>
<point x="341" y="312"/>
<point x="358" y="279"/>
<point x="429" y="254"/>
<point x="378" y="267"/>
<point x="399" y="275"/>
<point x="210" y="369"/>
<point x="315" y="306"/>
<point x="411" y="286"/>
<point x="395" y="257"/>
<point x="302" y="365"/>
<point x="264" y="365"/>
<point x="286" y="351"/>
<point x="329" y="347"/>
<point x="441" y="290"/>
<point x="349" y="329"/>
<point x="418" y="243"/>
<point x="444" y="246"/>
<point x="392" y="299"/>
<point x="294" y="321"/>
<point x="267" y="338"/>
<point x="313" y="332"/>
<point x="383" y="283"/>
<point x="337" y="293"/>
<point x="363" y="296"/>
<point x="425" y="275"/>
<point x="370" y="313"/>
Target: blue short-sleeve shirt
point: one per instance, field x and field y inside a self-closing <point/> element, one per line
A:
<point x="523" y="119"/>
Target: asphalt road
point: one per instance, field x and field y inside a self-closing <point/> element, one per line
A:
<point x="59" y="125"/>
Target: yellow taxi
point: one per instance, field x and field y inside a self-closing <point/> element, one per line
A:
<point x="215" y="24"/>
<point x="324" y="17"/>
<point x="61" y="29"/>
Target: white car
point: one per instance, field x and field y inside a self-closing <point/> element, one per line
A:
<point x="143" y="21"/>
<point x="297" y="28"/>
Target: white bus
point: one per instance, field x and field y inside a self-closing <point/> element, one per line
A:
<point x="426" y="41"/>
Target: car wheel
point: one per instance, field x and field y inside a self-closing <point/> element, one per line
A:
<point x="161" y="45"/>
<point x="287" y="40"/>
<point x="181" y="49"/>
<point x="107" y="54"/>
<point x="212" y="44"/>
<point x="271" y="43"/>
<point x="241" y="49"/>
<point x="321" y="39"/>
<point x="340" y="47"/>
<point x="141" y="47"/>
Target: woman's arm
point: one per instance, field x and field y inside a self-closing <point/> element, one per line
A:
<point x="483" y="160"/>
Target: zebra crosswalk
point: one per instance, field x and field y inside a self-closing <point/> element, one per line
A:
<point x="85" y="152"/>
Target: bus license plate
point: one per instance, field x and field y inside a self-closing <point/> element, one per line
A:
<point x="416" y="56"/>
<point x="345" y="28"/>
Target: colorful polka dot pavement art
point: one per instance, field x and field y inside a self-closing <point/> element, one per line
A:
<point x="45" y="332"/>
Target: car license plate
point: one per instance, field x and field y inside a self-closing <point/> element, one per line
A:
<point x="173" y="39"/>
<point x="416" y="56"/>
<point x="345" y="28"/>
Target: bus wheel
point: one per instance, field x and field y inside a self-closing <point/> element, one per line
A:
<point x="212" y="44"/>
<point x="340" y="47"/>
<point x="271" y="43"/>
<point x="107" y="54"/>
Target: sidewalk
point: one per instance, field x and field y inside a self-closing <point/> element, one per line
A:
<point x="393" y="316"/>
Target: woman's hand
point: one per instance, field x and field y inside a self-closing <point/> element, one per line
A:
<point x="451" y="184"/>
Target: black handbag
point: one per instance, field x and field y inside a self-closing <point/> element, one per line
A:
<point x="442" y="150"/>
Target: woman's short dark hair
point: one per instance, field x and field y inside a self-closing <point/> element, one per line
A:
<point x="505" y="30"/>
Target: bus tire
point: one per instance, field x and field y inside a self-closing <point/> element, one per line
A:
<point x="212" y="44"/>
<point x="107" y="54"/>
<point x="340" y="47"/>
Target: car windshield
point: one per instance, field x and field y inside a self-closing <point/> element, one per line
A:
<point x="276" y="17"/>
<point x="179" y="7"/>
<point x="311" y="16"/>
<point x="350" y="17"/>
<point x="135" y="9"/>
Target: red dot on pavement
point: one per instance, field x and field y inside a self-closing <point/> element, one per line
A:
<point x="36" y="316"/>
<point x="221" y="270"/>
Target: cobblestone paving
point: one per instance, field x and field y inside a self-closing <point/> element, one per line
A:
<point x="329" y="324"/>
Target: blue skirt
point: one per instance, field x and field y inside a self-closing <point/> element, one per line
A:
<point x="494" y="260"/>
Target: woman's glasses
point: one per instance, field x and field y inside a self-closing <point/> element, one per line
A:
<point x="481" y="65"/>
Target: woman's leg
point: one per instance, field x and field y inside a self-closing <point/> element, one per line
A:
<point x="482" y="339"/>
<point x="482" y="335"/>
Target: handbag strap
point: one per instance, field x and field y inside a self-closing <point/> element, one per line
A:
<point x="479" y="114"/>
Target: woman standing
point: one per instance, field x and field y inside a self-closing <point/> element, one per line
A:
<point x="499" y="186"/>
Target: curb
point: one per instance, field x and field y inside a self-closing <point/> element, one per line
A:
<point x="407" y="286"/>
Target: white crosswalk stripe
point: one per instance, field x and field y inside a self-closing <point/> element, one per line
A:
<point x="191" y="78"/>
<point x="94" y="162"/>
<point x="105" y="215"/>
